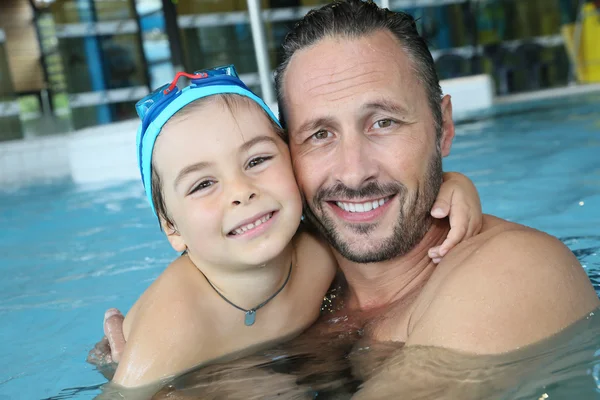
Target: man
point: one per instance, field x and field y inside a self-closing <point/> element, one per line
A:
<point x="361" y="103"/>
<point x="367" y="122"/>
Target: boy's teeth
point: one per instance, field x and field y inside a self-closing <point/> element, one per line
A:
<point x="253" y="225"/>
<point x="361" y="207"/>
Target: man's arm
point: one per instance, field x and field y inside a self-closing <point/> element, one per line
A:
<point x="515" y="288"/>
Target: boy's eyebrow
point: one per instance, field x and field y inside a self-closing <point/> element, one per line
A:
<point x="248" y="145"/>
<point x="201" y="165"/>
<point x="189" y="169"/>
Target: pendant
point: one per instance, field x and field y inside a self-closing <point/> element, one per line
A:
<point x="250" y="317"/>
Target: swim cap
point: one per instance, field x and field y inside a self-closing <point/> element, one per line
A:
<point x="157" y="108"/>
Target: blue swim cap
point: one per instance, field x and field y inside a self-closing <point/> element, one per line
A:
<point x="157" y="108"/>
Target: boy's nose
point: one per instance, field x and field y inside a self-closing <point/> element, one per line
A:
<point x="243" y="198"/>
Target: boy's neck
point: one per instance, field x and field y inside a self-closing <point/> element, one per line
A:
<point x="250" y="286"/>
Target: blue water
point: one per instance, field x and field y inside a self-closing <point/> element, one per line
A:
<point x="67" y="253"/>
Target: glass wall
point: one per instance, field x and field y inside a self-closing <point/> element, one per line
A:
<point x="101" y="56"/>
<point x="518" y="42"/>
<point x="155" y="41"/>
<point x="103" y="59"/>
<point x="10" y="125"/>
<point x="216" y="33"/>
<point x="522" y="44"/>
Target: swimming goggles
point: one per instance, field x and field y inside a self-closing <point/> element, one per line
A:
<point x="159" y="106"/>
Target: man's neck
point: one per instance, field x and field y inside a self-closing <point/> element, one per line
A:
<point x="371" y="286"/>
<point x="249" y="286"/>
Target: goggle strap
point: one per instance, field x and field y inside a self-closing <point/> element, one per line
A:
<point x="187" y="75"/>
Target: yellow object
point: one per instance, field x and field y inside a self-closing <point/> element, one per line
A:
<point x="587" y="59"/>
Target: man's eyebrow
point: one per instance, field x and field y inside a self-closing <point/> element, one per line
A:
<point x="188" y="170"/>
<point x="388" y="106"/>
<point x="259" y="139"/>
<point x="315" y="124"/>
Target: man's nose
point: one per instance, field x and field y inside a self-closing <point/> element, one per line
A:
<point x="243" y="191"/>
<point x="356" y="163"/>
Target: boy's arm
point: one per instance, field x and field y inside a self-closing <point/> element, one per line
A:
<point x="143" y="360"/>
<point x="160" y="344"/>
<point x="457" y="199"/>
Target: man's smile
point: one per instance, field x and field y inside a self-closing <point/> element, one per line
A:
<point x="365" y="211"/>
<point x="365" y="206"/>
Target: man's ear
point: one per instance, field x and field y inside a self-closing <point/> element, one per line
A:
<point x="447" y="126"/>
<point x="173" y="236"/>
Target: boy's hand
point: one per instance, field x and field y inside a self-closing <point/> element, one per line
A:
<point x="458" y="199"/>
<point x="106" y="354"/>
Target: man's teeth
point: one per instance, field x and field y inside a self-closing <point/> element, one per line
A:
<point x="253" y="225"/>
<point x="361" y="207"/>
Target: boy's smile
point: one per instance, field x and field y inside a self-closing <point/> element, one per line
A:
<point x="254" y="226"/>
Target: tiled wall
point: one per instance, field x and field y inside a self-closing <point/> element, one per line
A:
<point x="25" y="162"/>
<point x="104" y="153"/>
<point x="469" y="93"/>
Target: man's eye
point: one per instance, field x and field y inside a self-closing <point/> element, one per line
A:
<point x="321" y="135"/>
<point x="202" y="185"/>
<point x="257" y="161"/>
<point x="383" y="123"/>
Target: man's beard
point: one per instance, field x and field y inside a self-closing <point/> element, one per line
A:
<point x="413" y="221"/>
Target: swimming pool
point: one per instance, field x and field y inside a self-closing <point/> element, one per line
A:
<point x="67" y="253"/>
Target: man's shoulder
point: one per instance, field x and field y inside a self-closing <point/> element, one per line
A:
<point x="517" y="256"/>
<point x="507" y="287"/>
<point x="501" y="244"/>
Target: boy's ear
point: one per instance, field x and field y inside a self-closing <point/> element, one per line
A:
<point x="173" y="236"/>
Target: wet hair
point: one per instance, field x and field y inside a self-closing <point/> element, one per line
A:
<point x="232" y="102"/>
<point x="353" y="19"/>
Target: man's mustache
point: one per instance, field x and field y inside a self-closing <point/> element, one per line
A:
<point x="371" y="189"/>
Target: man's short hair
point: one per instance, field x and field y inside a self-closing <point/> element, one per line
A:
<point x="354" y="19"/>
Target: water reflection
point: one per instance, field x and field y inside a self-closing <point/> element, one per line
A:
<point x="314" y="364"/>
<point x="334" y="361"/>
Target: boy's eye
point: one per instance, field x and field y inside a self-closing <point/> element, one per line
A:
<point x="256" y="161"/>
<point x="202" y="185"/>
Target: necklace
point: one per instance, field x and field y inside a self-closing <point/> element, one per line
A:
<point x="251" y="313"/>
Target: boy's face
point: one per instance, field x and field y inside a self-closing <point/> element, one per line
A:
<point x="228" y="184"/>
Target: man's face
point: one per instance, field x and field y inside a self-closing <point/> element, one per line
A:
<point x="364" y="145"/>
